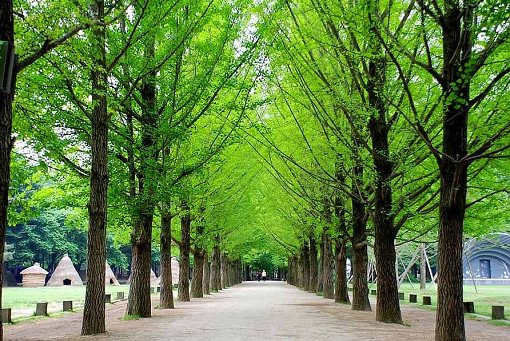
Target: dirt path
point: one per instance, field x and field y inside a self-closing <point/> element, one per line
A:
<point x="251" y="311"/>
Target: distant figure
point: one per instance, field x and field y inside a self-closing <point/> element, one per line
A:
<point x="264" y="275"/>
<point x="259" y="274"/>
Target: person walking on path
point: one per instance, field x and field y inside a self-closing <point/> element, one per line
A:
<point x="259" y="274"/>
<point x="264" y="275"/>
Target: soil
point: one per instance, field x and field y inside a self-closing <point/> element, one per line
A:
<point x="250" y="311"/>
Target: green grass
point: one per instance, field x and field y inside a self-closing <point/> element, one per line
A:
<point x="131" y="317"/>
<point x="19" y="297"/>
<point x="484" y="299"/>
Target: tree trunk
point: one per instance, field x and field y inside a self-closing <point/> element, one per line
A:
<point x="206" y="288"/>
<point x="423" y="267"/>
<point x="183" y="288"/>
<point x="388" y="307"/>
<point x="312" y="285"/>
<point x="6" y="139"/>
<point x="305" y="256"/>
<point x="215" y="266"/>
<point x="457" y="46"/>
<point x="359" y="240"/>
<point x="94" y="308"/>
<point x="341" y="292"/>
<point x="327" y="270"/>
<point x="289" y="274"/>
<point x="166" y="296"/>
<point x="224" y="273"/>
<point x="320" y="276"/>
<point x="139" y="300"/>
<point x="198" y="274"/>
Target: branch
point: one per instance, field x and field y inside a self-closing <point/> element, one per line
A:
<point x="49" y="45"/>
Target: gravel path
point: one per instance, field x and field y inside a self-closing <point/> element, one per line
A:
<point x="252" y="311"/>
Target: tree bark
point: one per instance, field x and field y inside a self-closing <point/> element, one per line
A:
<point x="452" y="203"/>
<point x="94" y="308"/>
<point x="224" y="273"/>
<point x="327" y="271"/>
<point x="388" y="306"/>
<point x="320" y="273"/>
<point x="6" y="139"/>
<point x="306" y="265"/>
<point x="341" y="292"/>
<point x="215" y="266"/>
<point x="139" y="300"/>
<point x="312" y="285"/>
<point x="206" y="288"/>
<point x="166" y="296"/>
<point x="327" y="254"/>
<point x="198" y="274"/>
<point x="183" y="288"/>
<point x="359" y="239"/>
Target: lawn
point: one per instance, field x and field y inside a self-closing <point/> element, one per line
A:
<point x="484" y="299"/>
<point x="19" y="297"/>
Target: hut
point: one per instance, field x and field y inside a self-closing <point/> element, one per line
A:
<point x="110" y="276"/>
<point x="65" y="274"/>
<point x="487" y="260"/>
<point x="34" y="276"/>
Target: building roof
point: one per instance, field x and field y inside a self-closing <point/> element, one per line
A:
<point x="34" y="270"/>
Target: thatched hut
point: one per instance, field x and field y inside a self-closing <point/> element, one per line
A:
<point x="34" y="276"/>
<point x="65" y="274"/>
<point x="110" y="276"/>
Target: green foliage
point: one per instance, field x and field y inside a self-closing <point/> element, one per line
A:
<point x="258" y="106"/>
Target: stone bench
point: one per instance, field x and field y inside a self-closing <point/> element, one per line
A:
<point x="498" y="312"/>
<point x="41" y="309"/>
<point x="469" y="307"/>
<point x="67" y="306"/>
<point x="6" y="315"/>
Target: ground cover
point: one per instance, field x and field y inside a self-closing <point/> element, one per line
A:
<point x="251" y="311"/>
<point x="19" y="297"/>
<point x="483" y="296"/>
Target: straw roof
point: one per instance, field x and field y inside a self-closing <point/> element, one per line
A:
<point x="109" y="276"/>
<point x="34" y="270"/>
<point x="65" y="270"/>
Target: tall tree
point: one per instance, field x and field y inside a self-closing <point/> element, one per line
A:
<point x="388" y="307"/>
<point x="94" y="309"/>
<point x="184" y="251"/>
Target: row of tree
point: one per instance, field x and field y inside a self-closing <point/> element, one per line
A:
<point x="130" y="103"/>
<point x="305" y="129"/>
<point x="388" y="123"/>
